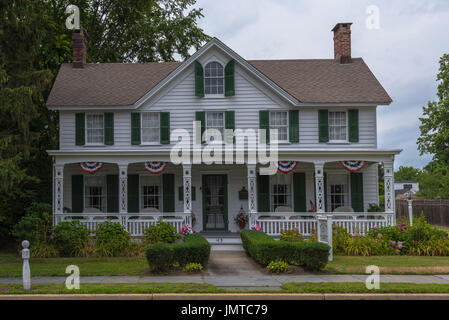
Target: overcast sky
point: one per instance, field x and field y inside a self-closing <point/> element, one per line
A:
<point x="403" y="52"/>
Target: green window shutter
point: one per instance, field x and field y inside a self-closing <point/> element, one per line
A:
<point x="353" y="119"/>
<point x="133" y="193"/>
<point x="109" y="128"/>
<point x="229" y="79"/>
<point x="230" y="123"/>
<point x="168" y="192"/>
<point x="112" y="192"/>
<point x="199" y="80"/>
<point x="77" y="193"/>
<point x="79" y="129"/>
<point x="164" y="118"/>
<point x="180" y="194"/>
<point x="193" y="193"/>
<point x="264" y="122"/>
<point x="357" y="191"/>
<point x="201" y="116"/>
<point x="263" y="193"/>
<point x="135" y="128"/>
<point x="323" y="125"/>
<point x="293" y="126"/>
<point x="299" y="189"/>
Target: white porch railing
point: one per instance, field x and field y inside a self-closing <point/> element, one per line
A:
<point x="357" y="223"/>
<point x="135" y="224"/>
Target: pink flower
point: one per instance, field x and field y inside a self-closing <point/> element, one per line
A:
<point x="379" y="235"/>
<point x="375" y="227"/>
<point x="399" y="244"/>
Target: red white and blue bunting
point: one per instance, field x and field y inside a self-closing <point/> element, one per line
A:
<point x="91" y="167"/>
<point x="155" y="167"/>
<point x="353" y="165"/>
<point x="287" y="166"/>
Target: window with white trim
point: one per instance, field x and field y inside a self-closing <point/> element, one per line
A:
<point x="150" y="127"/>
<point x="94" y="129"/>
<point x="338" y="126"/>
<point x="95" y="193"/>
<point x="337" y="191"/>
<point x="213" y="78"/>
<point x="215" y="120"/>
<point x="279" y="121"/>
<point x="151" y="187"/>
<point x="280" y="191"/>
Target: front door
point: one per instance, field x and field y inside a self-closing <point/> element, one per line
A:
<point x="215" y="202"/>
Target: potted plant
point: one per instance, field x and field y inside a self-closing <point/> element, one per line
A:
<point x="241" y="218"/>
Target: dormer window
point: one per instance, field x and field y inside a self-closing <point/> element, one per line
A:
<point x="213" y="78"/>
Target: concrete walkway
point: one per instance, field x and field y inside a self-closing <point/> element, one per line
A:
<point x="270" y="282"/>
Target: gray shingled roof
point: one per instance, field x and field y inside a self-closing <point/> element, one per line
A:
<point x="309" y="81"/>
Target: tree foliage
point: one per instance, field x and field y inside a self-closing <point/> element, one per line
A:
<point x="407" y="173"/>
<point x="434" y="138"/>
<point x="34" y="41"/>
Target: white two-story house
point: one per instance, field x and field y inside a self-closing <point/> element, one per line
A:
<point x="117" y="125"/>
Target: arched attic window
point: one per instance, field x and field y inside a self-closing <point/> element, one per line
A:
<point x="213" y="78"/>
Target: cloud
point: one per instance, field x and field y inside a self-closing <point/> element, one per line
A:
<point x="403" y="54"/>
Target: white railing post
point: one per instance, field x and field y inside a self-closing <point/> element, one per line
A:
<point x="123" y="187"/>
<point x="319" y="187"/>
<point x="58" y="182"/>
<point x="26" y="274"/>
<point x="252" y="194"/>
<point x="389" y="188"/>
<point x="324" y="232"/>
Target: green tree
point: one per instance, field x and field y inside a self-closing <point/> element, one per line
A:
<point x="434" y="138"/>
<point x="407" y="173"/>
<point x="434" y="181"/>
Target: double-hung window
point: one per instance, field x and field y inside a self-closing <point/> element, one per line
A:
<point x="213" y="79"/>
<point x="151" y="192"/>
<point x="95" y="129"/>
<point x="337" y="191"/>
<point x="94" y="193"/>
<point x="279" y="122"/>
<point x="338" y="126"/>
<point x="281" y="191"/>
<point x="215" y="120"/>
<point x="150" y="127"/>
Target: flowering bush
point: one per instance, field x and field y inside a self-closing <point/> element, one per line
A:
<point x="256" y="228"/>
<point x="241" y="219"/>
<point x="186" y="229"/>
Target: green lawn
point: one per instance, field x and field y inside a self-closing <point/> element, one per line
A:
<point x="150" y="288"/>
<point x="389" y="264"/>
<point x="356" y="287"/>
<point x="11" y="266"/>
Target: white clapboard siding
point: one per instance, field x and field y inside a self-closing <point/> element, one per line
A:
<point x="250" y="97"/>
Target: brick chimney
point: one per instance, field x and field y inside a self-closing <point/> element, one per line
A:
<point x="342" y="42"/>
<point x="79" y="48"/>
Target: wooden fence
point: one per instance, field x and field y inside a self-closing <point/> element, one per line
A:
<point x="436" y="211"/>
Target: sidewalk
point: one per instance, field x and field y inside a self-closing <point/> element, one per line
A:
<point x="267" y="282"/>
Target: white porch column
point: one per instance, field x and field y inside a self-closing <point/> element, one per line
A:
<point x="389" y="188"/>
<point x="319" y="187"/>
<point x="58" y="183"/>
<point x="123" y="187"/>
<point x="187" y="187"/>
<point x="252" y="189"/>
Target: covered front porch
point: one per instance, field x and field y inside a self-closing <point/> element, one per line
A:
<point x="208" y="197"/>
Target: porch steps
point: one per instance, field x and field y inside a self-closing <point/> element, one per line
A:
<point x="222" y="238"/>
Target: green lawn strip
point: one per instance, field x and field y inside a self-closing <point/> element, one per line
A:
<point x="11" y="266"/>
<point x="112" y="288"/>
<point x="395" y="264"/>
<point x="360" y="287"/>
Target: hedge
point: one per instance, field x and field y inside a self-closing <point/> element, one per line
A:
<point x="264" y="249"/>
<point x="194" y="249"/>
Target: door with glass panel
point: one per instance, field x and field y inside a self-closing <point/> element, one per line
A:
<point x="215" y="202"/>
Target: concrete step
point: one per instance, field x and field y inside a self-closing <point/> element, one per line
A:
<point x="219" y="240"/>
<point x="226" y="247"/>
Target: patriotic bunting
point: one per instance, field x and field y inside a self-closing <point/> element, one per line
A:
<point x="91" y="167"/>
<point x="287" y="166"/>
<point x="155" y="167"/>
<point x="353" y="166"/>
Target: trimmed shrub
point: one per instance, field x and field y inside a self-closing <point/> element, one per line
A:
<point x="292" y="235"/>
<point x="278" y="266"/>
<point x="112" y="239"/>
<point x="264" y="249"/>
<point x="70" y="237"/>
<point x="192" y="267"/>
<point x="194" y="249"/>
<point x="161" y="232"/>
